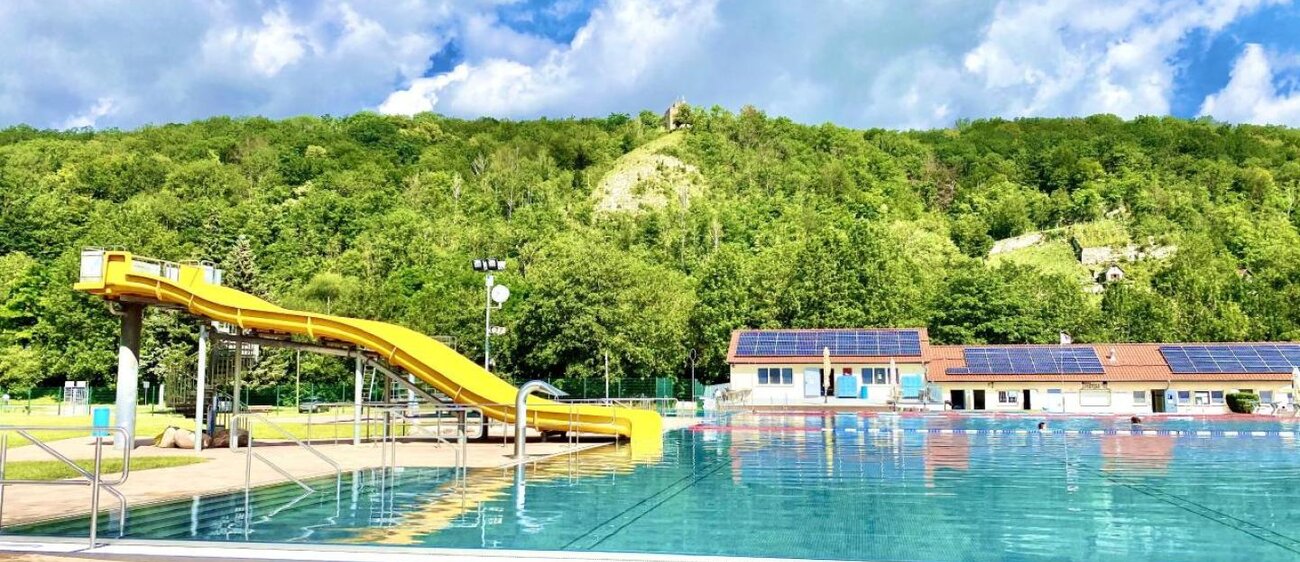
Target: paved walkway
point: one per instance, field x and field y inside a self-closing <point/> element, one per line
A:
<point x="223" y="471"/>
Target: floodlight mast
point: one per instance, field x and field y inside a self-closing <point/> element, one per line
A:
<point x="488" y="265"/>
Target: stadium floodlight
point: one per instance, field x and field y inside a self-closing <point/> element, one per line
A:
<point x="489" y="264"/>
<point x="495" y="294"/>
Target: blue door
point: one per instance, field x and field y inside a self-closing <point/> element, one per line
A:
<point x="812" y="382"/>
<point x="1171" y="401"/>
<point x="911" y="386"/>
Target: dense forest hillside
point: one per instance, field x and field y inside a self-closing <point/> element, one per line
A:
<point x="781" y="225"/>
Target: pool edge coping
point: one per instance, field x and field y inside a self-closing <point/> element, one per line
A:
<point x="169" y="550"/>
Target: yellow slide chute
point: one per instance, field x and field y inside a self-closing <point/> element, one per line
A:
<point x="142" y="279"/>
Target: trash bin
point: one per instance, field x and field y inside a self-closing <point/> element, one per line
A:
<point x="99" y="418"/>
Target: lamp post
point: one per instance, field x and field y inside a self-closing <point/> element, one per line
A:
<point x="494" y="293"/>
<point x="692" y="358"/>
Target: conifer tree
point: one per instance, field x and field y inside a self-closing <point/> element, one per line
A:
<point x="241" y="267"/>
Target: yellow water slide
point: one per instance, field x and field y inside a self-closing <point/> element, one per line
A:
<point x="120" y="276"/>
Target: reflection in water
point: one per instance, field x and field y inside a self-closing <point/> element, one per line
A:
<point x="815" y="486"/>
<point x="455" y="505"/>
<point x="945" y="451"/>
<point x="1137" y="453"/>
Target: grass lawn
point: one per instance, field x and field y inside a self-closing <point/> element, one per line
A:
<point x="56" y="470"/>
<point x="151" y="424"/>
<point x="147" y="424"/>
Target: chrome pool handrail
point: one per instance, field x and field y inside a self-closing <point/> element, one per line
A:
<point x="388" y="439"/>
<point x="92" y="477"/>
<point x="249" y="454"/>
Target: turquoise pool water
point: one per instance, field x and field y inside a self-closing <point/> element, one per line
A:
<point x="818" y="486"/>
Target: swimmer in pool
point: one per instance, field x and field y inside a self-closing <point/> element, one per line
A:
<point x="1042" y="425"/>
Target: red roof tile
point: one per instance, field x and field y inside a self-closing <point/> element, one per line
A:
<point x="1120" y="362"/>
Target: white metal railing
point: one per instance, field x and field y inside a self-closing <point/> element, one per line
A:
<point x="93" y="262"/>
<point x="660" y="405"/>
<point x="93" y="477"/>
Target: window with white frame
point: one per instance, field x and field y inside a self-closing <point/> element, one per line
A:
<point x="1265" y="397"/>
<point x="1139" y="397"/>
<point x="1008" y="397"/>
<point x="1202" y="398"/>
<point x="1216" y="397"/>
<point x="1184" y="397"/>
<point x="775" y="375"/>
<point x="881" y="375"/>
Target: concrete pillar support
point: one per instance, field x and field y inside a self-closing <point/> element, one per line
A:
<point x="128" y="372"/>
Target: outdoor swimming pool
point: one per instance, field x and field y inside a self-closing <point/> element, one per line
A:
<point x="820" y="486"/>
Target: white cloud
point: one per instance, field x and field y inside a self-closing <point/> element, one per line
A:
<point x="620" y="47"/>
<point x="1087" y="56"/>
<point x="899" y="63"/>
<point x="170" y="61"/>
<point x="102" y="107"/>
<point x="276" y="43"/>
<point x="1250" y="96"/>
<point x="422" y="95"/>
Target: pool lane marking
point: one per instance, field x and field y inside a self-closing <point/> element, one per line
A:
<point x="1282" y="541"/>
<point x="693" y="478"/>
<point x="1000" y="431"/>
<point x="1247" y="527"/>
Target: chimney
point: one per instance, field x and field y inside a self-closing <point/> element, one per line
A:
<point x="1113" y="356"/>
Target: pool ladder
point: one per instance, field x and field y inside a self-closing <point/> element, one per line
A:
<point x="92" y="477"/>
<point x="249" y="454"/>
<point x="398" y="412"/>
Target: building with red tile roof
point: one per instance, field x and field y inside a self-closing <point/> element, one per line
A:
<point x="899" y="366"/>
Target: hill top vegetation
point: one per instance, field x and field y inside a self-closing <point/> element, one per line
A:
<point x="791" y="226"/>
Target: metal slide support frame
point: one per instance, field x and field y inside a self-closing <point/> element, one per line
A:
<point x="239" y="389"/>
<point x="128" y="372"/>
<point x="407" y="383"/>
<point x="521" y="410"/>
<point x="356" y="397"/>
<point x="200" y="408"/>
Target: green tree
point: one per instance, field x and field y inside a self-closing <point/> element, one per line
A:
<point x="325" y="288"/>
<point x="586" y="299"/>
<point x="20" y="368"/>
<point x="1131" y="313"/>
<point x="240" y="265"/>
<point x="971" y="234"/>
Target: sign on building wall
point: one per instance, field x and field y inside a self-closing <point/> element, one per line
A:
<point x="1094" y="397"/>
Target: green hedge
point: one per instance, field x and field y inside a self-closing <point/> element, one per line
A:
<point x="1242" y="402"/>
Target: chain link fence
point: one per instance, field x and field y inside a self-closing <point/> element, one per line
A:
<point x="49" y="399"/>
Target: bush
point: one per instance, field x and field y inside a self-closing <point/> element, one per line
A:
<point x="1242" y="402"/>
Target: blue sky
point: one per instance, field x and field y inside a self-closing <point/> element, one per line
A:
<point x="869" y="63"/>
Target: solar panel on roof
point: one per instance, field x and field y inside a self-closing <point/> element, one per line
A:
<point x="1232" y="358"/>
<point x="810" y="343"/>
<point x="1028" y="361"/>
